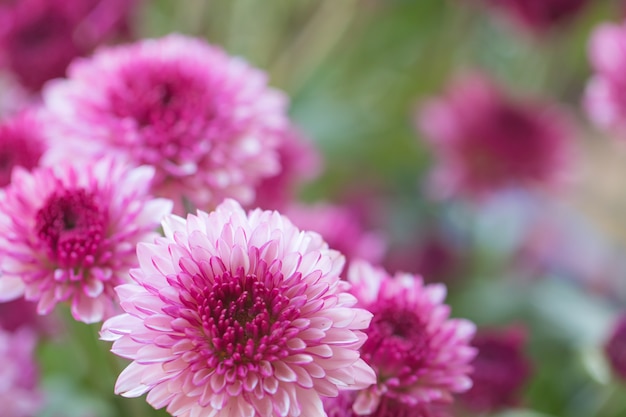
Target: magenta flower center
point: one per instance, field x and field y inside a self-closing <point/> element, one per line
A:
<point x="511" y="145"/>
<point x="71" y="226"/>
<point x="171" y="110"/>
<point x="245" y="321"/>
<point x="397" y="342"/>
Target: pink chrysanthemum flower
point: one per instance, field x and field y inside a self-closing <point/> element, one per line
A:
<point x="22" y="142"/>
<point x="19" y="376"/>
<point x="501" y="368"/>
<point x="485" y="141"/>
<point x="238" y="315"/>
<point x="420" y="356"/>
<point x="39" y="38"/>
<point x="69" y="234"/>
<point x="540" y="15"/>
<point x="207" y="122"/>
<point x="605" y="95"/>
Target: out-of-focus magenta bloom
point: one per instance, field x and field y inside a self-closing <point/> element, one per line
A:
<point x="299" y="162"/>
<point x="19" y="313"/>
<point x="340" y="227"/>
<point x="235" y="314"/>
<point x="501" y="368"/>
<point x="39" y="38"/>
<point x="615" y="348"/>
<point x="69" y="233"/>
<point x="19" y="376"/>
<point x="437" y="257"/>
<point x="605" y="95"/>
<point x="420" y="356"/>
<point x="22" y="143"/>
<point x="206" y="121"/>
<point x="485" y="141"/>
<point x="540" y="15"/>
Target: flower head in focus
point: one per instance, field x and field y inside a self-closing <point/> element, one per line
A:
<point x="22" y="142"/>
<point x="19" y="376"/>
<point x="420" y="355"/>
<point x="235" y="314"/>
<point x="484" y="141"/>
<point x="206" y="121"/>
<point x="500" y="369"/>
<point x="39" y="38"/>
<point x="69" y="233"/>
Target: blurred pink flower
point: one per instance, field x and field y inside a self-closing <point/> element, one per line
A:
<point x="69" y="233"/>
<point x="540" y="15"/>
<point x="340" y="227"/>
<point x="235" y="314"/>
<point x="436" y="256"/>
<point x="299" y="161"/>
<point x="19" y="313"/>
<point x="501" y="368"/>
<point x="207" y="122"/>
<point x="485" y="141"/>
<point x="605" y="95"/>
<point x="420" y="355"/>
<point x="39" y="38"/>
<point x="22" y="142"/>
<point x="615" y="347"/>
<point x="19" y="376"/>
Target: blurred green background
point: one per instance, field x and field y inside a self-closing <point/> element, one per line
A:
<point x="355" y="71"/>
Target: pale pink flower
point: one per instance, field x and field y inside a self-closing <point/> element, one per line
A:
<point x="605" y="95"/>
<point x="484" y="140"/>
<point x="420" y="356"/>
<point x="69" y="233"/>
<point x="22" y="142"/>
<point x="206" y="121"/>
<point x="19" y="376"/>
<point x="234" y="314"/>
<point x="341" y="228"/>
